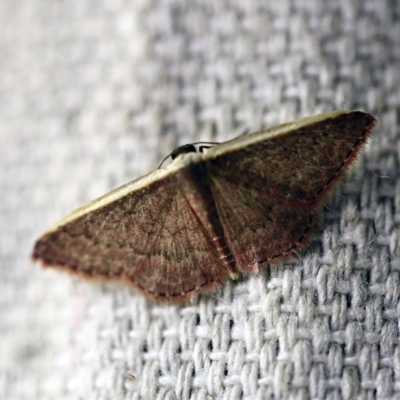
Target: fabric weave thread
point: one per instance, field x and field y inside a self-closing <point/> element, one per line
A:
<point x="96" y="94"/>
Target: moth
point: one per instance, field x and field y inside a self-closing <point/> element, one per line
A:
<point x="207" y="216"/>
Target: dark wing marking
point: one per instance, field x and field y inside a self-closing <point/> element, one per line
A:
<point x="148" y="237"/>
<point x="267" y="192"/>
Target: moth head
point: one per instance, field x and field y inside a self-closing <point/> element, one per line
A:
<point x="185" y="149"/>
<point x="188" y="148"/>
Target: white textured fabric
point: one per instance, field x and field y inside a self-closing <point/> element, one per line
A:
<point x="94" y="94"/>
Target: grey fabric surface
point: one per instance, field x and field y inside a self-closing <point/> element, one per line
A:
<point x="95" y="94"/>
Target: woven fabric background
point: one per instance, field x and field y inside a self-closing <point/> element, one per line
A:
<point x="94" y="94"/>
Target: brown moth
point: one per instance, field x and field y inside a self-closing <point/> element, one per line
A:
<point x="185" y="228"/>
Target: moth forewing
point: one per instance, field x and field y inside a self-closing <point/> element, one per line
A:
<point x="271" y="133"/>
<point x="127" y="189"/>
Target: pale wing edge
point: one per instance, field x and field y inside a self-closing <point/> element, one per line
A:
<point x="216" y="151"/>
